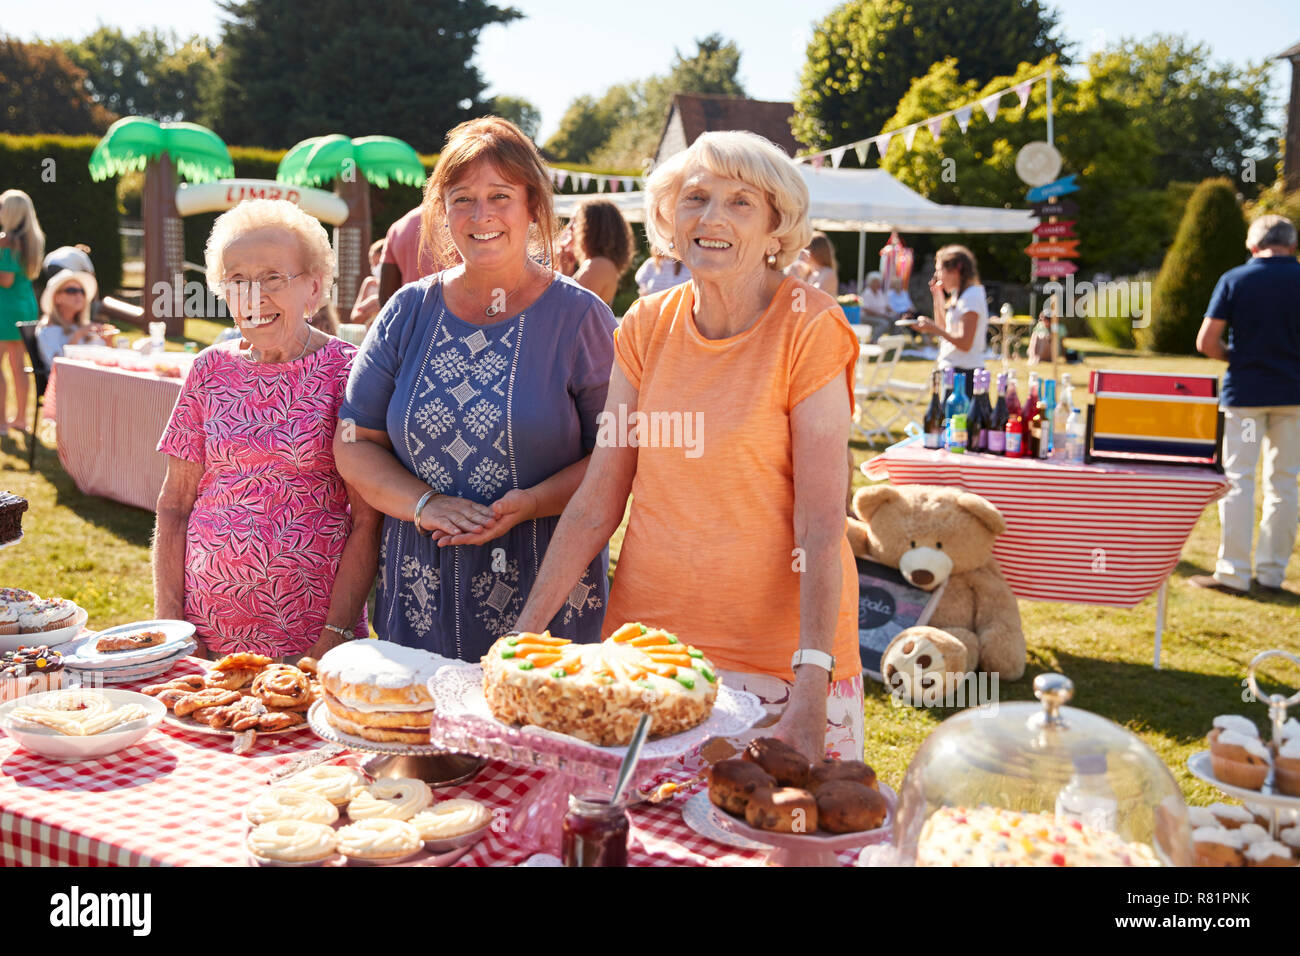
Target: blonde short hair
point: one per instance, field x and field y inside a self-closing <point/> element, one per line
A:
<point x="253" y="214"/>
<point x="746" y="157"/>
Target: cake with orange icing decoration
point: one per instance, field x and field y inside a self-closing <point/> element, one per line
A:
<point x="598" y="692"/>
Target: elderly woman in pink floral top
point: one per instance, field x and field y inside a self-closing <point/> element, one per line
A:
<point x="260" y="544"/>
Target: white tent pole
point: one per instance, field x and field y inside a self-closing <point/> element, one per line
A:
<point x="862" y="258"/>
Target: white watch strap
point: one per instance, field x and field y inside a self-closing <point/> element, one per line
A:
<point x="809" y="656"/>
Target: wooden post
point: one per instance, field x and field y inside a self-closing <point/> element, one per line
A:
<point x="164" y="247"/>
<point x="351" y="239"/>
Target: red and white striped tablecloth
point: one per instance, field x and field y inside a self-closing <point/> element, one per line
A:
<point x="109" y="422"/>
<point x="176" y="799"/>
<point x="1086" y="534"/>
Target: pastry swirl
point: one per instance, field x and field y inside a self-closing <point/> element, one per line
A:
<point x="451" y="818"/>
<point x="334" y="782"/>
<point x="282" y="804"/>
<point x="397" y="799"/>
<point x="292" y="841"/>
<point x="380" y="838"/>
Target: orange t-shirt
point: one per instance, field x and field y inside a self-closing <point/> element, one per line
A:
<point x="709" y="548"/>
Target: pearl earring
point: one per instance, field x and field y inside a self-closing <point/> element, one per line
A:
<point x="771" y="260"/>
<point x="671" y="244"/>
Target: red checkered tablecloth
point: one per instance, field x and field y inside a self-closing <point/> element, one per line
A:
<point x="177" y="798"/>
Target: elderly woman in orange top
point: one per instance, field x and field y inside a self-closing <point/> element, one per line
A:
<point x="736" y="540"/>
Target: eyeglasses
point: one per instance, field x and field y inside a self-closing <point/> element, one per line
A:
<point x="247" y="288"/>
<point x="73" y="290"/>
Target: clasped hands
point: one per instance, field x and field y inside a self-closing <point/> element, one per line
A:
<point x="461" y="521"/>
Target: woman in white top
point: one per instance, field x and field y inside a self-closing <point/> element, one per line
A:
<point x="961" y="312"/>
<point x="660" y="272"/>
<point x="816" y="265"/>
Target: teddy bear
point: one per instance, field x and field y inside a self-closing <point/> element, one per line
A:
<point x="932" y="535"/>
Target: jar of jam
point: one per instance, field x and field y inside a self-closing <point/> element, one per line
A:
<point x="595" y="832"/>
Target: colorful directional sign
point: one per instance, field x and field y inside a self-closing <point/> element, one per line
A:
<point x="1062" y="207"/>
<point x="1060" y="187"/>
<point x="1063" y="229"/>
<point x="1063" y="249"/>
<point x="1051" y="269"/>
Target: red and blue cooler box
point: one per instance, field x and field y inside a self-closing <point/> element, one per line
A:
<point x="1157" y="417"/>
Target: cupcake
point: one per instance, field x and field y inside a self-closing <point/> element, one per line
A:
<point x="1286" y="773"/>
<point x="1201" y="817"/>
<point x="1242" y="725"/>
<point x="1263" y="814"/>
<point x="1268" y="853"/>
<point x="8" y="618"/>
<point x="1231" y="816"/>
<point x="1217" y="846"/>
<point x="1251" y="833"/>
<point x="1290" y="838"/>
<point x="1239" y="760"/>
<point x="48" y="615"/>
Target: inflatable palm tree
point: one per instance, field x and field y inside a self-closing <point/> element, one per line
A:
<point x="163" y="151"/>
<point x="378" y="159"/>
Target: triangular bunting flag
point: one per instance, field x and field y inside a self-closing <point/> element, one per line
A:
<point x="584" y="179"/>
<point x="1022" y="91"/>
<point x="615" y="184"/>
<point x="934" y="125"/>
<point x="817" y="161"/>
<point x="561" y="177"/>
<point x="628" y="183"/>
<point x="837" y="156"/>
<point x="862" y="149"/>
<point x="909" y="136"/>
<point x="882" y="143"/>
<point x="991" y="104"/>
<point x="962" y="116"/>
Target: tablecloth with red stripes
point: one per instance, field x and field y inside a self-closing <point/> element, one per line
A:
<point x="177" y="798"/>
<point x="1105" y="534"/>
<point x="109" y="422"/>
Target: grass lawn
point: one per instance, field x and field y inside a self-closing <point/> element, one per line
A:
<point x="96" y="552"/>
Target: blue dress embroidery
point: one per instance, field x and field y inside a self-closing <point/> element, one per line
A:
<point x="476" y="411"/>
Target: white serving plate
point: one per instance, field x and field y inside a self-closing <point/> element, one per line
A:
<point x="135" y="672"/>
<point x="56" y="746"/>
<point x="83" y="656"/>
<point x="11" y="642"/>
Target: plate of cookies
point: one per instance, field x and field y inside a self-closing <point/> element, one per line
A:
<point x="369" y="822"/>
<point x="805" y="812"/>
<point x="241" y="695"/>
<point x="26" y="619"/>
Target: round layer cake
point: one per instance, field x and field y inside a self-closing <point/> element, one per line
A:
<point x="377" y="690"/>
<point x="990" y="836"/>
<point x="598" y="692"/>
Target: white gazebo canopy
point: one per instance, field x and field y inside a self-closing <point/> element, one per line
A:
<point x="861" y="201"/>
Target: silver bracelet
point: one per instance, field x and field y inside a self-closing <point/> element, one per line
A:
<point x="345" y="632"/>
<point x="419" y="507"/>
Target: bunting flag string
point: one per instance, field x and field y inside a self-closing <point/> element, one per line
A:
<point x="962" y="114"/>
<point x="582" y="181"/>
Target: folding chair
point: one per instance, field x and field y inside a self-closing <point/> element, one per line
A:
<point x="41" y="372"/>
<point x="876" y="364"/>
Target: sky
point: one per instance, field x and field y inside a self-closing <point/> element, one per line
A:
<point x="565" y="48"/>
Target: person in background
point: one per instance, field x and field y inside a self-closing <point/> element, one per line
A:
<point x="65" y="315"/>
<point x="406" y="256"/>
<point x="816" y="265"/>
<point x="73" y="258"/>
<point x="875" y="306"/>
<point x="660" y="272"/>
<point x="22" y="245"/>
<point x="961" y="312"/>
<point x="598" y="245"/>
<point x="326" y="319"/>
<point x="766" y="363"/>
<point x="366" y="306"/>
<point x="900" y="303"/>
<point x="1260" y="303"/>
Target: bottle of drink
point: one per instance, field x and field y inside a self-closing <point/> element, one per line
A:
<point x="957" y="410"/>
<point x="1048" y="411"/>
<point x="934" y="414"/>
<point x="947" y="394"/>
<point x="1075" y="437"/>
<point x="997" y="436"/>
<point x="1031" y="403"/>
<point x="980" y="415"/>
<point x="1015" y="427"/>
<point x="1013" y="399"/>
<point x="1061" y="418"/>
<point x="1088" y="798"/>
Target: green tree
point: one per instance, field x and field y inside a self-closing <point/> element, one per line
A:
<point x="1211" y="240"/>
<point x="519" y="111"/>
<point x="865" y="54"/>
<point x="622" y="128"/>
<point x="42" y="91"/>
<point x="292" y="69"/>
<point x="152" y="73"/>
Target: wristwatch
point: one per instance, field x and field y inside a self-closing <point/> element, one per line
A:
<point x="806" y="655"/>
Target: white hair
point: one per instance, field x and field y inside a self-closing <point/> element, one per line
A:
<point x="253" y="214"/>
<point x="1271" y="230"/>
<point x="742" y="156"/>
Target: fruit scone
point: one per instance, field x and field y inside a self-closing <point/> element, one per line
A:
<point x="598" y="692"/>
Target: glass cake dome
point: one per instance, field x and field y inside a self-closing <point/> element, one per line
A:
<point x="1039" y="784"/>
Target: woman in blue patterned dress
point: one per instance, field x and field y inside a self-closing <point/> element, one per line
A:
<point x="471" y="411"/>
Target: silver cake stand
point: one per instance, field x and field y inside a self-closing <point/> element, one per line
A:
<point x="435" y="765"/>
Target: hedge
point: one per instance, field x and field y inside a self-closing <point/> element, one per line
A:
<point x="54" y="171"/>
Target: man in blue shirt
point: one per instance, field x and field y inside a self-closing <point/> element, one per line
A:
<point x="1260" y="303"/>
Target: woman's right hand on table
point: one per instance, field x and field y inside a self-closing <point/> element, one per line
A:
<point x="447" y="515"/>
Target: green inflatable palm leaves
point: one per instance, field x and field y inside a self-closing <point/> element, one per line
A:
<point x="134" y="141"/>
<point x="318" y="160"/>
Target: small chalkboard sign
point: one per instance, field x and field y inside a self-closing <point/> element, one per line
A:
<point x="888" y="604"/>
